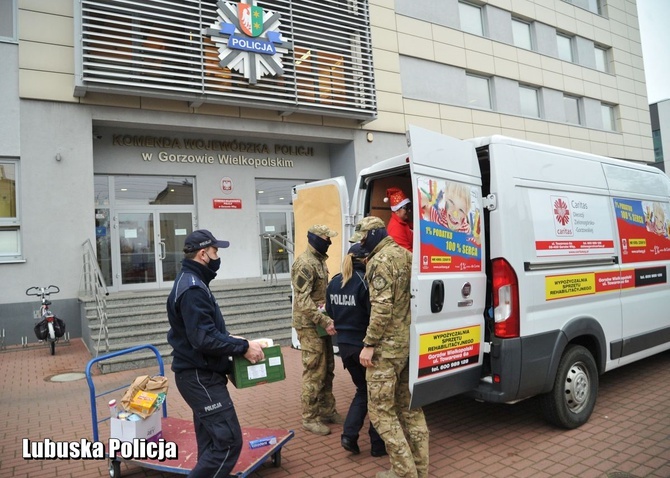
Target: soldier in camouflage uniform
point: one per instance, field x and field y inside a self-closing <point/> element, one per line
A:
<point x="386" y="352"/>
<point x="309" y="277"/>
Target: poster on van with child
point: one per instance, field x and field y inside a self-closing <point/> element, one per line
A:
<point x="644" y="230"/>
<point x="450" y="226"/>
<point x="569" y="224"/>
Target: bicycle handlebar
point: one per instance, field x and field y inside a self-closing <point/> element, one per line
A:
<point x="43" y="291"/>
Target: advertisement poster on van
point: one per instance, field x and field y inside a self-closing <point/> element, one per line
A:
<point x="450" y="226"/>
<point x="643" y="230"/>
<point x="570" y="223"/>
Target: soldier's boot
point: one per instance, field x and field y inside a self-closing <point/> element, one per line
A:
<point x="335" y="418"/>
<point x="316" y="427"/>
<point x="387" y="474"/>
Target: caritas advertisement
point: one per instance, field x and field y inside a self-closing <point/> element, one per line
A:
<point x="643" y="230"/>
<point x="567" y="224"/>
<point x="450" y="226"/>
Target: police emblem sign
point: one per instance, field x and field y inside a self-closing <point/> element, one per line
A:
<point x="248" y="39"/>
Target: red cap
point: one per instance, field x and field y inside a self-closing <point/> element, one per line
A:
<point x="396" y="197"/>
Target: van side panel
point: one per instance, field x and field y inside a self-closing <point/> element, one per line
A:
<point x="641" y="205"/>
<point x="556" y="228"/>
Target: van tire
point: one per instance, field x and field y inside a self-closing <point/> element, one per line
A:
<point x="571" y="401"/>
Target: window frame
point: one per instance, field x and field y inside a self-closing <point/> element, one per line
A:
<point x="488" y="89"/>
<point x="598" y="6"/>
<point x="13" y="224"/>
<point x="612" y="116"/>
<point x="537" y="101"/>
<point x="605" y="58"/>
<point x="577" y="101"/>
<point x="518" y="21"/>
<point x="473" y="7"/>
<point x="571" y="43"/>
<point x="12" y="5"/>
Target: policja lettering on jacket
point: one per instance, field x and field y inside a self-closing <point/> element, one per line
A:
<point x="341" y="299"/>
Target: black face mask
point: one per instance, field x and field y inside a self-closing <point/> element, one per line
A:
<point x="321" y="245"/>
<point x="373" y="238"/>
<point x="213" y="264"/>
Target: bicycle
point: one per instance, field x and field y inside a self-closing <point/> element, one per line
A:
<point x="50" y="328"/>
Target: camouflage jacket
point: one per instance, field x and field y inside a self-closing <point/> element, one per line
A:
<point x="309" y="277"/>
<point x="389" y="271"/>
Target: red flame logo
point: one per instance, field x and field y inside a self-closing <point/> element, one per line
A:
<point x="561" y="211"/>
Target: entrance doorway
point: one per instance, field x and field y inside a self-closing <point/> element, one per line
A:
<point x="141" y="225"/>
<point x="276" y="228"/>
<point x="150" y="247"/>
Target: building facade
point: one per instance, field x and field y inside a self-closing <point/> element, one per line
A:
<point x="127" y="124"/>
<point x="660" y="131"/>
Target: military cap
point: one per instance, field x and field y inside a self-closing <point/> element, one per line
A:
<point x="366" y="224"/>
<point x="321" y="230"/>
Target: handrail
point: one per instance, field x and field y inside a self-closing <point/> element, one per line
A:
<point x="283" y="242"/>
<point x="94" y="286"/>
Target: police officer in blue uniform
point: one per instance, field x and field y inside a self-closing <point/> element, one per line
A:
<point x="202" y="347"/>
<point x="348" y="304"/>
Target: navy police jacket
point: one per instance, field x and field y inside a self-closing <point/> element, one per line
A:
<point x="349" y="306"/>
<point x="198" y="332"/>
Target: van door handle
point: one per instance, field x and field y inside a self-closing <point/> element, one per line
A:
<point x="436" y="296"/>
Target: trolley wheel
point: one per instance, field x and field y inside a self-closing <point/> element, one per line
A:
<point x="52" y="347"/>
<point x="276" y="459"/>
<point x="114" y="469"/>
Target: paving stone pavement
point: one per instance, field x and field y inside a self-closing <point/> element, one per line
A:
<point x="627" y="436"/>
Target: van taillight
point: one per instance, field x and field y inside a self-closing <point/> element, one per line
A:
<point x="505" y="300"/>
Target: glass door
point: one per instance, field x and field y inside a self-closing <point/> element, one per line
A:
<point x="137" y="248"/>
<point x="174" y="227"/>
<point x="276" y="237"/>
<point x="150" y="245"/>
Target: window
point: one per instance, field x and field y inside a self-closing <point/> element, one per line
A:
<point x="602" y="61"/>
<point x="471" y="19"/>
<point x="10" y="247"/>
<point x="7" y="19"/>
<point x="564" y="47"/>
<point x="528" y="97"/>
<point x="590" y="5"/>
<point x="521" y="34"/>
<point x="479" y="95"/>
<point x="658" y="145"/>
<point x="571" y="105"/>
<point x="608" y="116"/>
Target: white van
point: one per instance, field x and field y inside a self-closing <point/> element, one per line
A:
<point x="535" y="268"/>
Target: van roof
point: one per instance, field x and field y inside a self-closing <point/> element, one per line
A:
<point x="500" y="139"/>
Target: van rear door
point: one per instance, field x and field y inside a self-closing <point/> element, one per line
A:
<point x="322" y="202"/>
<point x="448" y="271"/>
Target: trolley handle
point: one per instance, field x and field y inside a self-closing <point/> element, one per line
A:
<point x="91" y="386"/>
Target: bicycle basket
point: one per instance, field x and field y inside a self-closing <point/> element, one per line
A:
<point x="41" y="330"/>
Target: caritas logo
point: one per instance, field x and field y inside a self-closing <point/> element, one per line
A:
<point x="562" y="216"/>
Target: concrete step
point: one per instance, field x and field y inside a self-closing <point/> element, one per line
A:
<point x="252" y="309"/>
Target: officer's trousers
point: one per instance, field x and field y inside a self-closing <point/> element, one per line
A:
<point x="217" y="429"/>
<point x="358" y="409"/>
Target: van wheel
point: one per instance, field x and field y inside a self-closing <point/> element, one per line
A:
<point x="571" y="401"/>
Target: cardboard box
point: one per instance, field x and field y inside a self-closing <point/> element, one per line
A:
<point x="245" y="374"/>
<point x="125" y="430"/>
<point x="143" y="402"/>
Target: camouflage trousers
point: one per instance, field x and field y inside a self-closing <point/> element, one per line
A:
<point x="318" y="366"/>
<point x="404" y="431"/>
